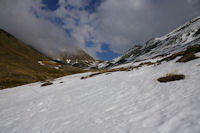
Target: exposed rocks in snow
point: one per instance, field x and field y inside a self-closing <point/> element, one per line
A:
<point x="171" y="77"/>
<point x="46" y="83"/>
<point x="120" y="99"/>
<point x="175" y="41"/>
<point x="197" y="33"/>
<point x="122" y="102"/>
<point x="118" y="69"/>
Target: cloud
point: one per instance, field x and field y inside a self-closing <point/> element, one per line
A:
<point x="123" y="24"/>
<point x="18" y="17"/>
<point x="116" y="23"/>
<point x="129" y="22"/>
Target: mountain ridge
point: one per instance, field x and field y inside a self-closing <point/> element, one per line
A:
<point x="177" y="40"/>
<point x="21" y="64"/>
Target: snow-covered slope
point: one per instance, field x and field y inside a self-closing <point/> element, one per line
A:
<point x="177" y="40"/>
<point x="120" y="102"/>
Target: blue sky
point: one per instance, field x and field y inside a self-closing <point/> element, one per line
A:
<point x="106" y="53"/>
<point x="103" y="28"/>
<point x="51" y="4"/>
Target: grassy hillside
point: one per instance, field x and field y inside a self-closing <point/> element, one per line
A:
<point x="19" y="64"/>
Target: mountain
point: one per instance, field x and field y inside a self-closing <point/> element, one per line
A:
<point x="132" y="99"/>
<point x="152" y="88"/>
<point x="78" y="58"/>
<point x="21" y="64"/>
<point x="177" y="40"/>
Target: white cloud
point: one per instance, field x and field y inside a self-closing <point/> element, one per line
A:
<point x="118" y="23"/>
<point x="122" y="24"/>
<point x="17" y="17"/>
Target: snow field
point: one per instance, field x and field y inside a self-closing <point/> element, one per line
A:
<point x="121" y="102"/>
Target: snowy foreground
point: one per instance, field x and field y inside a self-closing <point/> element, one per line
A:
<point x="120" y="102"/>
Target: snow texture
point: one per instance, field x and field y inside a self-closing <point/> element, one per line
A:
<point x="40" y="62"/>
<point x="120" y="102"/>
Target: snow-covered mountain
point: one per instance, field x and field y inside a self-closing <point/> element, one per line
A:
<point x="78" y="58"/>
<point x="154" y="89"/>
<point x="113" y="102"/>
<point x="177" y="40"/>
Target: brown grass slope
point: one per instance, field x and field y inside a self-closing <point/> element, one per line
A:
<point x="98" y="72"/>
<point x="186" y="55"/>
<point x="19" y="63"/>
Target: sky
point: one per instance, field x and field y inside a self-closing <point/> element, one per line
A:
<point x="103" y="28"/>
